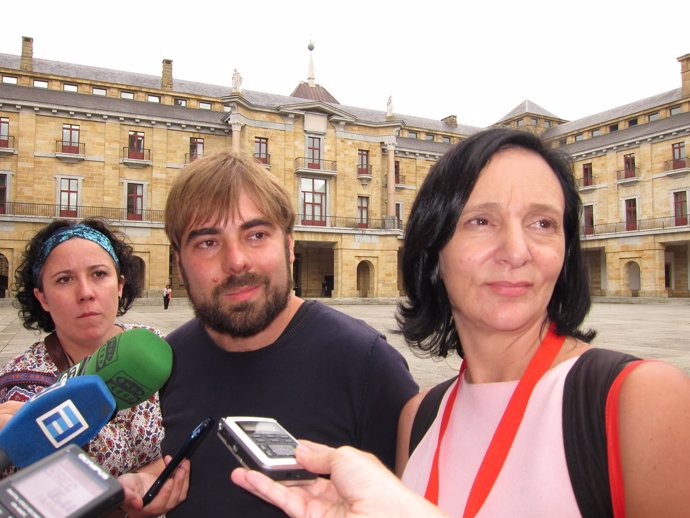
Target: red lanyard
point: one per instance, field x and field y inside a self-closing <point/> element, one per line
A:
<point x="504" y="435"/>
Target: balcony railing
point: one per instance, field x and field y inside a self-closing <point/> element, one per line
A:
<point x="389" y="223"/>
<point x="190" y="157"/>
<point x="679" y="222"/>
<point x="585" y="182"/>
<point x="305" y="164"/>
<point x="677" y="166"/>
<point x="136" y="157"/>
<point x="364" y="170"/>
<point x="628" y="174"/>
<point x="46" y="210"/>
<point x="263" y="158"/>
<point x="6" y="144"/>
<point x="70" y="148"/>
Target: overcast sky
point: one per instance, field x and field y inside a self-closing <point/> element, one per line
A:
<point x="474" y="59"/>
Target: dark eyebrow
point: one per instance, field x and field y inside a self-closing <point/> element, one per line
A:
<point x="205" y="231"/>
<point x="257" y="222"/>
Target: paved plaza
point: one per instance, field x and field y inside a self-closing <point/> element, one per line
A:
<point x="656" y="329"/>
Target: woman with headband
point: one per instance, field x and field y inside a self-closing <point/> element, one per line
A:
<point x="73" y="281"/>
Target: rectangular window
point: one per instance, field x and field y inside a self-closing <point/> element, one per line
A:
<point x="429" y="137"/>
<point x="362" y="211"/>
<point x="204" y="105"/>
<point x="520" y="123"/>
<point x="3" y="193"/>
<point x="399" y="213"/>
<point x="261" y="150"/>
<point x="680" y="207"/>
<point x="632" y="122"/>
<point x="588" y="219"/>
<point x="397" y="172"/>
<point x="135" y="201"/>
<point x="587" y="176"/>
<point x="613" y="128"/>
<point x="9" y="80"/>
<point x="678" y="150"/>
<point x="40" y="83"/>
<point x="629" y="166"/>
<point x="547" y="124"/>
<point x="653" y="116"/>
<point x="314" y="152"/>
<point x="579" y="137"/>
<point x="69" y="197"/>
<point x="70" y="138"/>
<point x="412" y="134"/>
<point x="363" y="162"/>
<point x="675" y="110"/>
<point x="313" y="201"/>
<point x="180" y="102"/>
<point x="4" y="132"/>
<point x="135" y="151"/>
<point x="96" y="90"/>
<point x="70" y="87"/>
<point x="445" y="140"/>
<point x="124" y="94"/>
<point x="154" y="98"/>
<point x="196" y="148"/>
<point x="631" y="214"/>
<point x="596" y="132"/>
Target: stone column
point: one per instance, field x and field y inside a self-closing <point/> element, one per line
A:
<point x="236" y="128"/>
<point x="390" y="147"/>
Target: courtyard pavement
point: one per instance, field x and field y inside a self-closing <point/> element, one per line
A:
<point x="657" y="328"/>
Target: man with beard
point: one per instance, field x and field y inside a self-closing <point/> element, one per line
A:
<point x="256" y="349"/>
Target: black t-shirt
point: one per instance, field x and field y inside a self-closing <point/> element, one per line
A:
<point x="328" y="378"/>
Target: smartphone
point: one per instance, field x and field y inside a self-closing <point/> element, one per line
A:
<point x="66" y="484"/>
<point x="186" y="451"/>
<point x="262" y="444"/>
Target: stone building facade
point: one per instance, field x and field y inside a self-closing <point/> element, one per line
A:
<point x="78" y="141"/>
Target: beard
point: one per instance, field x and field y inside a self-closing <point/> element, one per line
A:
<point x="244" y="319"/>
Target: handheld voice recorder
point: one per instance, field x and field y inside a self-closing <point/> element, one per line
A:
<point x="262" y="444"/>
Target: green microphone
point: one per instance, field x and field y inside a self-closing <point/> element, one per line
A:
<point x="134" y="365"/>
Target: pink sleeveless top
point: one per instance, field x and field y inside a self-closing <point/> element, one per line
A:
<point x="534" y="481"/>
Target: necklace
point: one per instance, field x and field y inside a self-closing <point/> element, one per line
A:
<point x="505" y="432"/>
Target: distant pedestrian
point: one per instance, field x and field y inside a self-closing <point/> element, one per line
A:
<point x="167" y="295"/>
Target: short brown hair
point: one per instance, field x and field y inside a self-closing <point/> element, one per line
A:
<point x="209" y="188"/>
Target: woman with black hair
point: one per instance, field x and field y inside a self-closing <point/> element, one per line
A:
<point x="538" y="423"/>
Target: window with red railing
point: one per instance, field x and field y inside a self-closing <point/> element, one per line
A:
<point x="196" y="148"/>
<point x="3" y="193"/>
<point x="313" y="201"/>
<point x="261" y="150"/>
<point x="69" y="197"/>
<point x="362" y="211"/>
<point x="70" y="138"/>
<point x="362" y="161"/>
<point x="629" y="166"/>
<point x="136" y="145"/>
<point x="135" y="201"/>
<point x="314" y="152"/>
<point x="4" y="132"/>
<point x="631" y="214"/>
<point x="678" y="150"/>
<point x="588" y="219"/>
<point x="680" y="207"/>
<point x="587" y="176"/>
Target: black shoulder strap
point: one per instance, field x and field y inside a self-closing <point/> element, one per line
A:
<point x="426" y="413"/>
<point x="584" y="428"/>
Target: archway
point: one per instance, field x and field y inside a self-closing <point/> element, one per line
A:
<point x="364" y="277"/>
<point x="632" y="275"/>
<point x="140" y="272"/>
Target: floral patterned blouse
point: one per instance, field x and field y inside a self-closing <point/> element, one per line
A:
<point x="129" y="441"/>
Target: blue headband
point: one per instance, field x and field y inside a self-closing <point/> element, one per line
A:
<point x="65" y="233"/>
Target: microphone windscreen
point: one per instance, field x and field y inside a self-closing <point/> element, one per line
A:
<point x="134" y="364"/>
<point x="70" y="412"/>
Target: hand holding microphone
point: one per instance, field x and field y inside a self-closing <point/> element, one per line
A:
<point x="122" y="373"/>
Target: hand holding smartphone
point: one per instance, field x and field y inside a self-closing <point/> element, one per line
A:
<point x="185" y="452"/>
<point x="261" y="444"/>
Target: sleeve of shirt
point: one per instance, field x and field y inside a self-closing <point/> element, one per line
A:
<point x="388" y="386"/>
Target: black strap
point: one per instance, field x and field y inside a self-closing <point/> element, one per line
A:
<point x="585" y="391"/>
<point x="426" y="413"/>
